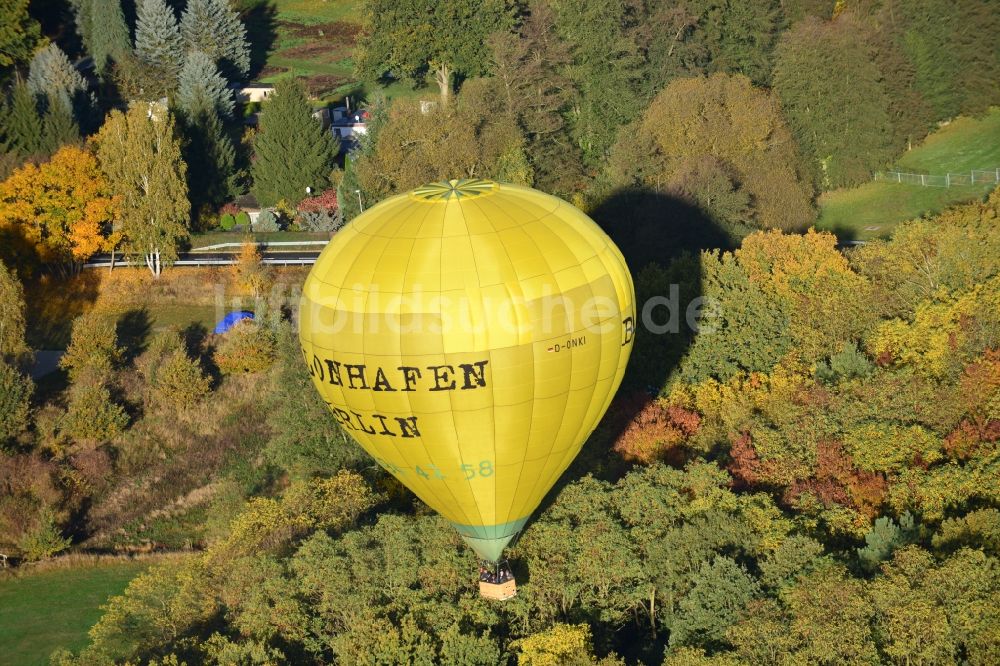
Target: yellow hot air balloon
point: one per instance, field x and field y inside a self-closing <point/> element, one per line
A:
<point x="470" y="335"/>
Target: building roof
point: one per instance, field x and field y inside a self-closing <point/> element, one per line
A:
<point x="250" y="84"/>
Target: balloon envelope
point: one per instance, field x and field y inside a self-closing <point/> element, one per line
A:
<point x="470" y="335"/>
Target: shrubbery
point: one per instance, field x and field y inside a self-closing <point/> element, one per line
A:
<point x="44" y="540"/>
<point x="320" y="213"/>
<point x="93" y="417"/>
<point x="93" y="347"/>
<point x="246" y="347"/>
<point x="180" y="381"/>
<point x="267" y="222"/>
<point x="172" y="378"/>
<point x="249" y="274"/>
<point x="12" y="322"/>
<point x="320" y="220"/>
<point x="15" y="395"/>
<point x="230" y="221"/>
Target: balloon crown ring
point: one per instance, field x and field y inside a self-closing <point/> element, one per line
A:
<point x="465" y="188"/>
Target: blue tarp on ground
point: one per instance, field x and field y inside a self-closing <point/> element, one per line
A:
<point x="231" y="320"/>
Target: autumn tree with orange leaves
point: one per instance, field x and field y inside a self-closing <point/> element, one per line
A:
<point x="249" y="274"/>
<point x="63" y="206"/>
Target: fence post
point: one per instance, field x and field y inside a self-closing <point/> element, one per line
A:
<point x="947" y="180"/>
<point x="899" y="177"/>
<point x="922" y="181"/>
<point x="998" y="175"/>
<point x="972" y="177"/>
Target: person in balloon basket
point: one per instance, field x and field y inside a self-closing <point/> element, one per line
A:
<point x="494" y="576"/>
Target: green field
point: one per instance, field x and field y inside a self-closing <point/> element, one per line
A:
<point x="42" y="611"/>
<point x="180" y="316"/>
<point x="313" y="40"/>
<point x="319" y="11"/>
<point x="873" y="209"/>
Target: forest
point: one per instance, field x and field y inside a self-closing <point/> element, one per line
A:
<point x="807" y="473"/>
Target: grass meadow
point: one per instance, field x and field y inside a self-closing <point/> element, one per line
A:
<point x="209" y="238"/>
<point x="177" y="299"/>
<point x="873" y="209"/>
<point x="52" y="608"/>
<point x="314" y="41"/>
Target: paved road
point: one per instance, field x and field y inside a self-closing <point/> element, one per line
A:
<point x="272" y="257"/>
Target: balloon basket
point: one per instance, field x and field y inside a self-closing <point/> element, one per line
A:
<point x="496" y="581"/>
<point x="498" y="591"/>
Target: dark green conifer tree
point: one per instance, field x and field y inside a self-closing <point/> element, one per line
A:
<point x="210" y="26"/>
<point x="953" y="46"/>
<point x="19" y="34"/>
<point x="203" y="102"/>
<point x="606" y="69"/>
<point x="835" y="100"/>
<point x="58" y="127"/>
<point x="209" y="152"/>
<point x="23" y="125"/>
<point x="81" y="17"/>
<point x="292" y="149"/>
<point x="740" y="37"/>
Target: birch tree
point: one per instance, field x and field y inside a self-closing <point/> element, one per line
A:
<point x="140" y="153"/>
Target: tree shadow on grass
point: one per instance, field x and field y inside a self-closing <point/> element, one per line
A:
<point x="261" y="22"/>
<point x="52" y="302"/>
<point x="133" y="329"/>
<point x="200" y="345"/>
<point x="844" y="233"/>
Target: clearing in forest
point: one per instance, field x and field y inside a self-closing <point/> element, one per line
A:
<point x="873" y="209"/>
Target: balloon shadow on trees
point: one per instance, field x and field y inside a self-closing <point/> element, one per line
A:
<point x="653" y="227"/>
<point x="661" y="238"/>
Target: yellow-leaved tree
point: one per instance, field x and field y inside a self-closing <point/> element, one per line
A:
<point x="561" y="645"/>
<point x="829" y="304"/>
<point x="249" y="274"/>
<point x="721" y="144"/>
<point x="140" y="153"/>
<point x="944" y="333"/>
<point x="64" y="206"/>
